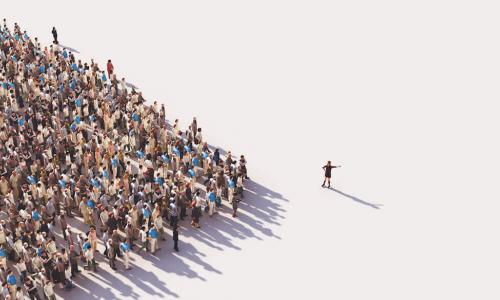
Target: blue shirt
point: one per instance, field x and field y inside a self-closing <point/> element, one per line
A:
<point x="159" y="180"/>
<point x="153" y="233"/>
<point x="3" y="253"/>
<point x="86" y="246"/>
<point x="95" y="182"/>
<point x="90" y="204"/>
<point x="11" y="279"/>
<point x="125" y="247"/>
<point x="212" y="197"/>
<point x="62" y="183"/>
<point x="35" y="215"/>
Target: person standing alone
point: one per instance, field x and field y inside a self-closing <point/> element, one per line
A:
<point x="328" y="172"/>
<point x="54" y="34"/>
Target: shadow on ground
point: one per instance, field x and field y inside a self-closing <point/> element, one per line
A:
<point x="259" y="211"/>
<point x="376" y="206"/>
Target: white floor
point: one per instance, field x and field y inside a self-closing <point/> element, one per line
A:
<point x="402" y="95"/>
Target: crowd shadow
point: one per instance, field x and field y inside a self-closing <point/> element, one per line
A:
<point x="372" y="205"/>
<point x="259" y="211"/>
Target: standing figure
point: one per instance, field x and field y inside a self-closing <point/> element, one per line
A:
<point x="175" y="237"/>
<point x="54" y="34"/>
<point x="110" y="68"/>
<point x="328" y="172"/>
<point x="235" y="202"/>
<point x="126" y="258"/>
<point x="111" y="254"/>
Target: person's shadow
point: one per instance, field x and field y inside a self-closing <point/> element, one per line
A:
<point x="376" y="206"/>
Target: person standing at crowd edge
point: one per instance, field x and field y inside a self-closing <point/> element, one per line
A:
<point x="235" y="202"/>
<point x="54" y="34"/>
<point x="175" y="237"/>
<point x="111" y="254"/>
<point x="126" y="258"/>
<point x="153" y="237"/>
<point x="328" y="172"/>
<point x="110" y="68"/>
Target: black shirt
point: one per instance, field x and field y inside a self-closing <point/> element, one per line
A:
<point x="328" y="170"/>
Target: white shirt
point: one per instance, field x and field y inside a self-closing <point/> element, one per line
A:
<point x="142" y="236"/>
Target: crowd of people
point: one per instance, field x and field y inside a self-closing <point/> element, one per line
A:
<point x="76" y="143"/>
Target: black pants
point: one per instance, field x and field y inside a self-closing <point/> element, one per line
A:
<point x="35" y="296"/>
<point x="176" y="246"/>
<point x="74" y="268"/>
<point x="173" y="221"/>
<point x="112" y="262"/>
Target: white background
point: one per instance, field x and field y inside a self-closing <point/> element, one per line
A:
<point x="402" y="94"/>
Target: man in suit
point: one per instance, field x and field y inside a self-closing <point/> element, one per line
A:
<point x="54" y="34"/>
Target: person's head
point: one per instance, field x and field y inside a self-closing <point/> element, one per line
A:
<point x="329" y="162"/>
